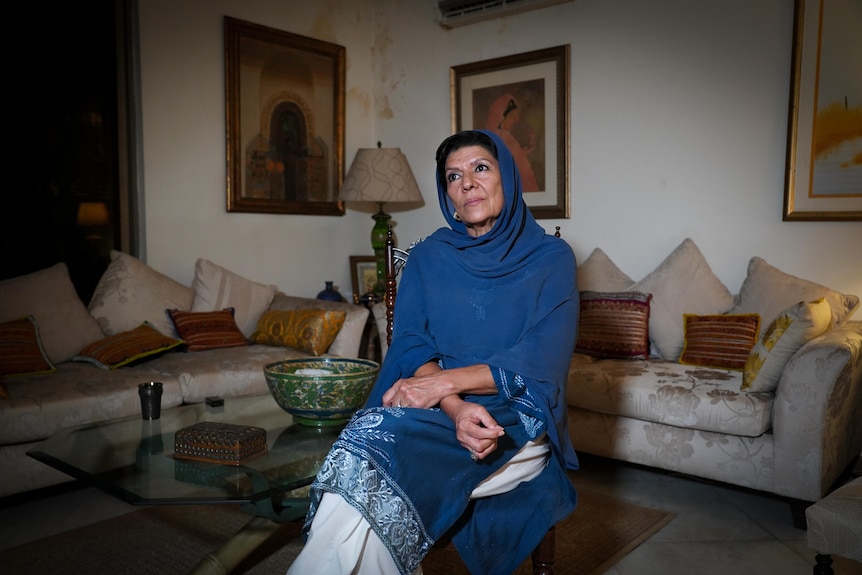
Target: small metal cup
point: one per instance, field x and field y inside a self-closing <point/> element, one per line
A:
<point x="151" y="399"/>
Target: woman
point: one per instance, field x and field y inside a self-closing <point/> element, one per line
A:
<point x="464" y="432"/>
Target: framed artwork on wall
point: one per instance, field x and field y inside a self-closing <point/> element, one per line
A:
<point x="524" y="99"/>
<point x="824" y="143"/>
<point x="285" y="121"/>
<point x="363" y="275"/>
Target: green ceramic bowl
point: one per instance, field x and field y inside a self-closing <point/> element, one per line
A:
<point x="321" y="391"/>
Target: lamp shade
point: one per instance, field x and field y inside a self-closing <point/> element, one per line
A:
<point x="380" y="175"/>
<point x="93" y="214"/>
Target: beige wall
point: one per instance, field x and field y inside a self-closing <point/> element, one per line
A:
<point x="678" y="129"/>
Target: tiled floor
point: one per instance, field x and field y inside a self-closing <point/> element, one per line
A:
<point x="717" y="530"/>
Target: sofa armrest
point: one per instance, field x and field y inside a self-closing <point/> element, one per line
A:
<point x="346" y="343"/>
<point x="817" y="418"/>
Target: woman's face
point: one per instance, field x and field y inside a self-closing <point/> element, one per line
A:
<point x="474" y="185"/>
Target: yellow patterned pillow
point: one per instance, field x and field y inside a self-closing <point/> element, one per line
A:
<point x="309" y="330"/>
<point x="793" y="328"/>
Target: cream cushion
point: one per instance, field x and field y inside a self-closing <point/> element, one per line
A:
<point x="793" y="328"/>
<point x="768" y="291"/>
<point x="682" y="283"/>
<point x="217" y="288"/>
<point x="599" y="273"/>
<point x="130" y="293"/>
<point x="50" y="297"/>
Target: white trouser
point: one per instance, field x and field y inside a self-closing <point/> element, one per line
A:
<point x="341" y="542"/>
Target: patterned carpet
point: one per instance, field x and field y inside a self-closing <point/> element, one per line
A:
<point x="172" y="539"/>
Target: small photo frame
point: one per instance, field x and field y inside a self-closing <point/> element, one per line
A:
<point x="363" y="275"/>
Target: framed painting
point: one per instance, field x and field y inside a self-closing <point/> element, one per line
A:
<point x="285" y="121"/>
<point x="363" y="275"/>
<point x="824" y="143"/>
<point x="524" y="99"/>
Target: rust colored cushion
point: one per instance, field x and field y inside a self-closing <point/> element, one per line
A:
<point x="614" y="324"/>
<point x="309" y="330"/>
<point x="21" y="350"/>
<point x="128" y="347"/>
<point x="207" y="329"/>
<point x="722" y="340"/>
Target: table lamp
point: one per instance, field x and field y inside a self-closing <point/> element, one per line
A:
<point x="380" y="175"/>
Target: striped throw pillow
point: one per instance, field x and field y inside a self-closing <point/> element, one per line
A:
<point x="614" y="324"/>
<point x="722" y="340"/>
<point x="128" y="347"/>
<point x="21" y="350"/>
<point x="207" y="329"/>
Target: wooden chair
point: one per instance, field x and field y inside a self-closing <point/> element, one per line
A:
<point x="544" y="555"/>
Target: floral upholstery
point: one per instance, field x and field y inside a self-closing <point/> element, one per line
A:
<point x="666" y="392"/>
<point x="697" y="421"/>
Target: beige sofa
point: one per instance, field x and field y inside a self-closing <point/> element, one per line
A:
<point x="630" y="398"/>
<point x="791" y="434"/>
<point x="130" y="292"/>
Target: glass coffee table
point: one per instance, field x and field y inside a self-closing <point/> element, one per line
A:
<point x="132" y="459"/>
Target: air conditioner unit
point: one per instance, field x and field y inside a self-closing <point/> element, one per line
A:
<point x="455" y="13"/>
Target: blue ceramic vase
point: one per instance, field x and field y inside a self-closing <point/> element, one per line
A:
<point x="330" y="293"/>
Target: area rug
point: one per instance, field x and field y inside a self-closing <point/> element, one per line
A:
<point x="173" y="539"/>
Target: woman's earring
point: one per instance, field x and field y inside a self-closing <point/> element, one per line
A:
<point x="456" y="216"/>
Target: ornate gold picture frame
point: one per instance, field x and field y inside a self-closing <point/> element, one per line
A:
<point x="285" y="121"/>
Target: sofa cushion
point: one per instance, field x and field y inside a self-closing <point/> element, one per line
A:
<point x="130" y="292"/>
<point x="682" y="283"/>
<point x="722" y="341"/>
<point x="308" y="330"/>
<point x="49" y="296"/>
<point x="218" y="288"/>
<point x="660" y="391"/>
<point x="346" y="343"/>
<point x="76" y="394"/>
<point x="768" y="291"/>
<point x="21" y="350"/>
<point x="793" y="328"/>
<point x="143" y="342"/>
<point x="599" y="273"/>
<point x="614" y="324"/>
<point x="202" y="330"/>
<point x="228" y="372"/>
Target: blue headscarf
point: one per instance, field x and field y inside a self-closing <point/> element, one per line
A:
<point x="507" y="298"/>
<point x="515" y="234"/>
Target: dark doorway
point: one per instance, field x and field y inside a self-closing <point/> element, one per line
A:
<point x="63" y="204"/>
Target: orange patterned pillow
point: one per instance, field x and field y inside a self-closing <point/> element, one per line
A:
<point x="135" y="345"/>
<point x="21" y="349"/>
<point x="309" y="330"/>
<point x="723" y="340"/>
<point x="207" y="329"/>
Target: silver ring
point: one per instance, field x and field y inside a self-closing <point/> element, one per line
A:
<point x="399" y="404"/>
<point x="473" y="455"/>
